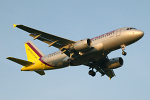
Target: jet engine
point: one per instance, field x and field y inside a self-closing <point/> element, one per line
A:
<point x="114" y="63"/>
<point x="82" y="45"/>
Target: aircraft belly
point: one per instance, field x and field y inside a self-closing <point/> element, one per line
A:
<point x="59" y="63"/>
<point x="89" y="58"/>
<point x="56" y="62"/>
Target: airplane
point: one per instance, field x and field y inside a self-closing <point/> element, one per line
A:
<point x="89" y="52"/>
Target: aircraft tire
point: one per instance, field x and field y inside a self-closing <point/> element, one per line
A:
<point x="92" y="73"/>
<point x="124" y="53"/>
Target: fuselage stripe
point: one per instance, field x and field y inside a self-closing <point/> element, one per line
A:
<point x="34" y="50"/>
<point x="45" y="62"/>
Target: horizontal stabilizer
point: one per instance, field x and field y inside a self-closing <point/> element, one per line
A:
<point x="19" y="61"/>
<point x="40" y="72"/>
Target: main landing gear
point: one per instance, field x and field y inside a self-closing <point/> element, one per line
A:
<point x="92" y="73"/>
<point x="123" y="48"/>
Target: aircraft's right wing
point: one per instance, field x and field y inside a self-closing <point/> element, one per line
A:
<point x="109" y="72"/>
<point x="50" y="39"/>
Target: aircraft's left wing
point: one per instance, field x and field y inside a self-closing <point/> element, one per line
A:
<point x="50" y="39"/>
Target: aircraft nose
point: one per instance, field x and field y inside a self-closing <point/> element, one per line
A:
<point x="139" y="34"/>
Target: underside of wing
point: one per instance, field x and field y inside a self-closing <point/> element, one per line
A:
<point x="100" y="67"/>
<point x="50" y="39"/>
<point x="109" y="72"/>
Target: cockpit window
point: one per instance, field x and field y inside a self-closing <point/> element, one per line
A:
<point x="131" y="28"/>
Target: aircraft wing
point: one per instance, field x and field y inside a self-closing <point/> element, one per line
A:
<point x="50" y="39"/>
<point x="109" y="72"/>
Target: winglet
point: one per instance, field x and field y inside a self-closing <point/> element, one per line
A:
<point x="8" y="57"/>
<point x="109" y="78"/>
<point x="14" y="25"/>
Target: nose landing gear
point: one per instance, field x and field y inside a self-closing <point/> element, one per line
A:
<point x="123" y="48"/>
<point x="124" y="53"/>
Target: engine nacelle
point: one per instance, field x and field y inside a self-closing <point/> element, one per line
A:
<point x="114" y="63"/>
<point x="82" y="45"/>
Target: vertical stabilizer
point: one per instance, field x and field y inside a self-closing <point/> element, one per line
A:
<point x="33" y="53"/>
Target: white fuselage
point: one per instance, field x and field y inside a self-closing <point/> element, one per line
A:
<point x="101" y="46"/>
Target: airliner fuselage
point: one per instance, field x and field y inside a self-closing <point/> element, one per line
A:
<point x="107" y="42"/>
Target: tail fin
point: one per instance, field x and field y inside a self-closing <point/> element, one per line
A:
<point x="33" y="53"/>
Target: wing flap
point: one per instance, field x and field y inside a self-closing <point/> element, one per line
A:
<point x="19" y="61"/>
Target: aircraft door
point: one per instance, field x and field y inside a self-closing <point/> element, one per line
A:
<point x="118" y="32"/>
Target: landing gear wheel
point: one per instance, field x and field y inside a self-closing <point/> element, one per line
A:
<point x="92" y="73"/>
<point x="124" y="53"/>
<point x="123" y="48"/>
